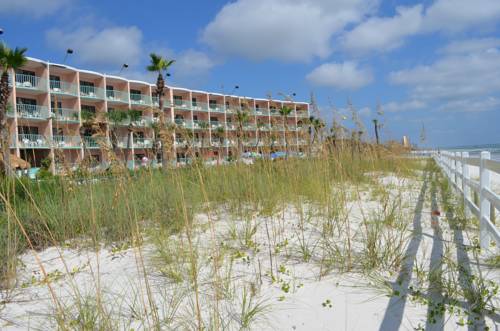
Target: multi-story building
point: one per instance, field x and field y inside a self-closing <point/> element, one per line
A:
<point x="69" y="115"/>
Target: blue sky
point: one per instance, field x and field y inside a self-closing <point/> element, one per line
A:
<point x="433" y="63"/>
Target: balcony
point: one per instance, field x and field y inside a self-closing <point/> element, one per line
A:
<point x="264" y="127"/>
<point x="33" y="112"/>
<point x="91" y="92"/>
<point x="183" y="123"/>
<point x="140" y="99"/>
<point x="274" y="112"/>
<point x="230" y="127"/>
<point x="90" y="143"/>
<point x="216" y="124"/>
<point x="180" y="142"/>
<point x="199" y="106"/>
<point x="302" y="114"/>
<point x="249" y="127"/>
<point x="216" y="108"/>
<point x="156" y="102"/>
<point x="143" y="143"/>
<point x="260" y="112"/>
<point x="63" y="88"/>
<point x="116" y="96"/>
<point x="67" y="142"/>
<point x="182" y="104"/>
<point x="26" y="140"/>
<point x="65" y="115"/>
<point x="143" y="122"/>
<point x="202" y="125"/>
<point x="30" y="82"/>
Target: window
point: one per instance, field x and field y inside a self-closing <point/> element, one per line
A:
<point x="195" y="117"/>
<point x="55" y="82"/>
<point x="87" y="88"/>
<point x="56" y="108"/>
<point x="212" y="104"/>
<point x="25" y="101"/>
<point x="195" y="103"/>
<point x="135" y="95"/>
<point x="27" y="129"/>
<point x="214" y="119"/>
<point x="138" y="135"/>
<point x="178" y="100"/>
<point x="257" y="107"/>
<point x="110" y="91"/>
<point x="57" y="132"/>
<point x="227" y="104"/>
<point x="90" y="109"/>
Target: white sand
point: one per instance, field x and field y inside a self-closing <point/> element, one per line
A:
<point x="358" y="302"/>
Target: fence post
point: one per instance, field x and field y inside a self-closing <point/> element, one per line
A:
<point x="453" y="175"/>
<point x="484" y="204"/>
<point x="465" y="182"/>
<point x="455" y="170"/>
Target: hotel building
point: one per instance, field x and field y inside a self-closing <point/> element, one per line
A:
<point x="49" y="108"/>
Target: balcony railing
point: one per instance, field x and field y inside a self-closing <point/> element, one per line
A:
<point x="249" y="127"/>
<point x="216" y="124"/>
<point x="216" y="108"/>
<point x="143" y="143"/>
<point x="30" y="82"/>
<point x="116" y="96"/>
<point x="302" y="114"/>
<point x="32" y="141"/>
<point x="91" y="92"/>
<point x="182" y="104"/>
<point x="32" y="111"/>
<point x="66" y="142"/>
<point x="61" y="87"/>
<point x="200" y="124"/>
<point x="90" y="142"/>
<point x="140" y="99"/>
<point x="184" y="123"/>
<point x="230" y="126"/>
<point x="65" y="115"/>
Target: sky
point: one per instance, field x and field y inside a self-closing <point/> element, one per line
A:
<point x="431" y="66"/>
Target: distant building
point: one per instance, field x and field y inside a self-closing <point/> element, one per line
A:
<point x="406" y="142"/>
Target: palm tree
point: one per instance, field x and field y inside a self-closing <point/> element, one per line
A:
<point x="219" y="133"/>
<point x="204" y="128"/>
<point x="160" y="65"/>
<point x="284" y="112"/>
<point x="9" y="60"/>
<point x="242" y="118"/>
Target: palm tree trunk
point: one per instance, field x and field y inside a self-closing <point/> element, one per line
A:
<point x="4" y="129"/>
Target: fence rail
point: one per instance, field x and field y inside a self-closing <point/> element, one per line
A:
<point x="456" y="166"/>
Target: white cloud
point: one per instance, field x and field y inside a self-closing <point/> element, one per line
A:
<point x="448" y="16"/>
<point x="471" y="45"/>
<point x="192" y="62"/>
<point x="460" y="80"/>
<point x="394" y="106"/>
<point x="384" y="33"/>
<point x="456" y="15"/>
<point x="106" y="47"/>
<point x="292" y="30"/>
<point x="471" y="104"/>
<point x="454" y="76"/>
<point x="346" y="75"/>
<point x="34" y="8"/>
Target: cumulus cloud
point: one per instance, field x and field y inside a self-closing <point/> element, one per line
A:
<point x="471" y="45"/>
<point x="448" y="16"/>
<point x="384" y="33"/>
<point x="395" y="106"/>
<point x="33" y="8"/>
<point x="292" y="30"/>
<point x="106" y="47"/>
<point x="457" y="15"/>
<point x="459" y="80"/>
<point x="346" y="75"/>
<point x="192" y="62"/>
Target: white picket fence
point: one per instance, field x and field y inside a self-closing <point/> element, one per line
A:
<point x="456" y="166"/>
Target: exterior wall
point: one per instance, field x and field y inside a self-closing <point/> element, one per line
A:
<point x="48" y="100"/>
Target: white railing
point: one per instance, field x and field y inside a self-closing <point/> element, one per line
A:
<point x="456" y="166"/>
